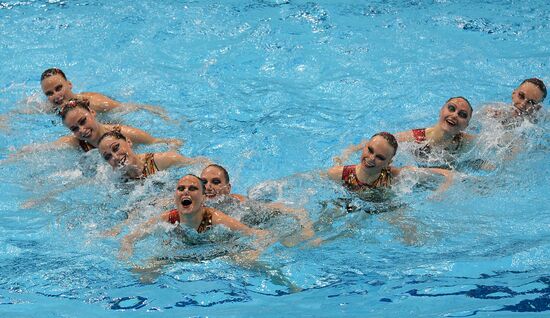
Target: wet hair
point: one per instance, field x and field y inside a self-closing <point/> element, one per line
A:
<point x="464" y="99"/>
<point x="224" y="171"/>
<point x="72" y="104"/>
<point x="113" y="133"/>
<point x="389" y="138"/>
<point x="203" y="187"/>
<point x="538" y="83"/>
<point x="51" y="72"/>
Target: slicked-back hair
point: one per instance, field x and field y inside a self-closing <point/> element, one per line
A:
<point x="51" y="72"/>
<point x="538" y="83"/>
<point x="113" y="133"/>
<point x="389" y="138"/>
<point x="72" y="104"/>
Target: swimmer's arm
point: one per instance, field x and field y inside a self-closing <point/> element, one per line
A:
<point x="99" y="102"/>
<point x="143" y="230"/>
<point x="165" y="160"/>
<point x="300" y="215"/>
<point x="404" y="136"/>
<point x="62" y="143"/>
<point x="348" y="152"/>
<point x="219" y="217"/>
<point x="447" y="174"/>
<point x="139" y="136"/>
<point x="334" y="173"/>
<point x="157" y="110"/>
<point x="239" y="197"/>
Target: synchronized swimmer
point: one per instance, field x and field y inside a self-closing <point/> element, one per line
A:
<point x="195" y="197"/>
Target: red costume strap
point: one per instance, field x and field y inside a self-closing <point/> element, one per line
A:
<point x="419" y="134"/>
<point x="173" y="216"/>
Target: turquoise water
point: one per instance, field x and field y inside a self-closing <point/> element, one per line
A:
<point x="271" y="89"/>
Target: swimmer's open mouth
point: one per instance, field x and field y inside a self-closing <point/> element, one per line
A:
<point x="122" y="161"/>
<point x="210" y="194"/>
<point x="186" y="202"/>
<point x="451" y="122"/>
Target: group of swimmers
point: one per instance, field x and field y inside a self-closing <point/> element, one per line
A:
<point x="193" y="193"/>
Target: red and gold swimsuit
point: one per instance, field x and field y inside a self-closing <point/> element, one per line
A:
<point x="351" y="181"/>
<point x="206" y="223"/>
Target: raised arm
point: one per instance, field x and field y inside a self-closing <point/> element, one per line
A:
<point x="348" y="152"/>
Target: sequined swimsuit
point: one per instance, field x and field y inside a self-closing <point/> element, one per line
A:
<point x="206" y="222"/>
<point x="351" y="181"/>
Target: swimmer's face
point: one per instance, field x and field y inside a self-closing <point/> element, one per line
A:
<point x="377" y="154"/>
<point x="455" y="116"/>
<point x="117" y="152"/>
<point x="189" y="197"/>
<point x="82" y="124"/>
<point x="57" y="89"/>
<point x="215" y="182"/>
<point x="527" y="98"/>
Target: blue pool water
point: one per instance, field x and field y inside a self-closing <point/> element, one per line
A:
<point x="273" y="90"/>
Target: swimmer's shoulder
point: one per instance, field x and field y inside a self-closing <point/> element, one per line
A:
<point x="405" y="136"/>
<point x="335" y="173"/>
<point x="99" y="102"/>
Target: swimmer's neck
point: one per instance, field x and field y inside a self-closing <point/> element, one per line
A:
<point x="102" y="130"/>
<point x="193" y="220"/>
<point x="366" y="176"/>
<point x="136" y="171"/>
<point x="439" y="136"/>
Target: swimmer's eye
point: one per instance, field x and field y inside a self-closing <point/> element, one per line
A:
<point x="451" y="107"/>
<point x="462" y="114"/>
<point x="532" y="102"/>
<point x="82" y="121"/>
<point x="107" y="156"/>
<point x="521" y="95"/>
<point x="115" y="147"/>
<point x="370" y="149"/>
<point x="58" y="88"/>
<point x="180" y="188"/>
<point x="216" y="181"/>
<point x="74" y="129"/>
<point x="193" y="188"/>
<point x="49" y="93"/>
<point x="381" y="157"/>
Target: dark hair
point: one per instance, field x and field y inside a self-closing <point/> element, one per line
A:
<point x="389" y="138"/>
<point x="203" y="187"/>
<point x="72" y="104"/>
<point x="464" y="99"/>
<point x="113" y="133"/>
<point x="224" y="171"/>
<point x="538" y="83"/>
<point x="51" y="72"/>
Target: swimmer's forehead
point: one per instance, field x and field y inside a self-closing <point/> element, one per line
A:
<point x="212" y="170"/>
<point x="531" y="88"/>
<point x="189" y="180"/>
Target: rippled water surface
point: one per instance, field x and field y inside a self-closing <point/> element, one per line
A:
<point x="273" y="90"/>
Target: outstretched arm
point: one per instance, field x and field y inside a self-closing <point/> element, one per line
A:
<point x="448" y="174"/>
<point x="138" y="136"/>
<point x="348" y="152"/>
<point x="62" y="143"/>
<point x="165" y="160"/>
<point x="143" y="230"/>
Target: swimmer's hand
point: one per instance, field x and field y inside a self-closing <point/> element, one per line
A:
<point x="126" y="249"/>
<point x="173" y="143"/>
<point x="338" y="161"/>
<point x="112" y="232"/>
